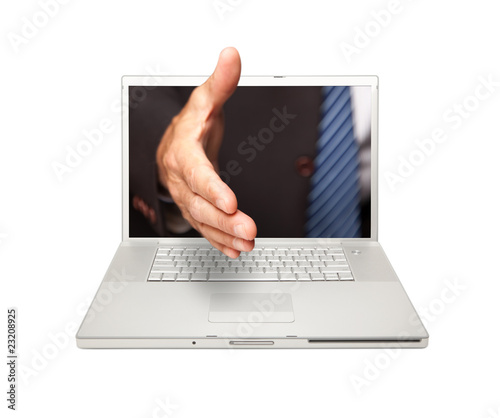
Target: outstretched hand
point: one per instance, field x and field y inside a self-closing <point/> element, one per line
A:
<point x="187" y="162"/>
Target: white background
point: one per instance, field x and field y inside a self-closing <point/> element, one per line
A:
<point x="440" y="226"/>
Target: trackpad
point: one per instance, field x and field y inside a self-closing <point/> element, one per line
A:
<point x="251" y="307"/>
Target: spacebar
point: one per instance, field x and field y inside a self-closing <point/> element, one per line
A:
<point x="232" y="276"/>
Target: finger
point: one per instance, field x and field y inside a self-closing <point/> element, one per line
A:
<point x="212" y="94"/>
<point x="227" y="240"/>
<point x="230" y="252"/>
<point x="238" y="224"/>
<point x="201" y="178"/>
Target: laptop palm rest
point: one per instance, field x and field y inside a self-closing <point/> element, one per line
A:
<point x="251" y="307"/>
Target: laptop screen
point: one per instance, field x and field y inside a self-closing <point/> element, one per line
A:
<point x="296" y="157"/>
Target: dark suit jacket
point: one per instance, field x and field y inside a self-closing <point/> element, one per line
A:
<point x="266" y="155"/>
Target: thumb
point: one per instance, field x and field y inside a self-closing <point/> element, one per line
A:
<point x="221" y="84"/>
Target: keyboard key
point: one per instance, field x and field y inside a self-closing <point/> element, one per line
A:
<point x="164" y="269"/>
<point x="168" y="277"/>
<point x="334" y="252"/>
<point x="164" y="263"/>
<point x="163" y="257"/>
<point x="198" y="277"/>
<point x="317" y="276"/>
<point x="346" y="276"/>
<point x="331" y="276"/>
<point x="155" y="277"/>
<point x="329" y="263"/>
<point x="335" y="269"/>
<point x="182" y="277"/>
<point x="243" y="276"/>
<point x="315" y="257"/>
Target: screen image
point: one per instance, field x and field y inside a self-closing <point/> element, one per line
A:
<point x="296" y="157"/>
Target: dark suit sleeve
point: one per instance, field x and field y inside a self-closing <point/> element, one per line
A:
<point x="150" y="112"/>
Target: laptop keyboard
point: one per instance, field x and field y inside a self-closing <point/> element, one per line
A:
<point x="184" y="264"/>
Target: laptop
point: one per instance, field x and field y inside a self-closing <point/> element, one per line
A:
<point x="301" y="286"/>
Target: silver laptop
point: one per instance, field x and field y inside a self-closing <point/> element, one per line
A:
<point x="303" y="285"/>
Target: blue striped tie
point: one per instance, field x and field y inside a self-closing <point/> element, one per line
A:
<point x="334" y="197"/>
